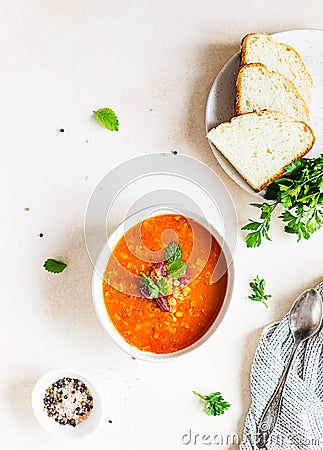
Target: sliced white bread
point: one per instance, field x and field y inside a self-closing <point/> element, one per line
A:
<point x="277" y="57"/>
<point x="259" y="145"/>
<point x="259" y="89"/>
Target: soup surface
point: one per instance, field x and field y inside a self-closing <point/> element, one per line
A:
<point x="194" y="299"/>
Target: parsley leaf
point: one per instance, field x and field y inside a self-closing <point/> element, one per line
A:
<point x="176" y="269"/>
<point x="108" y="118"/>
<point x="305" y="220"/>
<point x="173" y="252"/>
<point x="294" y="166"/>
<point x="259" y="230"/>
<point x="54" y="266"/>
<point x="164" y="287"/>
<point x="215" y="404"/>
<point x="152" y="286"/>
<point x="258" y="287"/>
<point x="300" y="192"/>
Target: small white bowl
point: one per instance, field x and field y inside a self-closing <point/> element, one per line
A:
<point x="97" y="291"/>
<point x="65" y="431"/>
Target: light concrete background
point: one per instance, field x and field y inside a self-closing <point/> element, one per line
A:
<point x="154" y="63"/>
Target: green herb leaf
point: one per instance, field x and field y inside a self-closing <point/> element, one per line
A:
<point x="152" y="286"/>
<point x="54" y="266"/>
<point x="272" y="192"/>
<point x="293" y="167"/>
<point x="173" y="252"/>
<point x="215" y="403"/>
<point x="300" y="192"/>
<point x="164" y="287"/>
<point x="176" y="269"/>
<point x="108" y="118"/>
<point x="153" y="291"/>
<point x="259" y="230"/>
<point x="258" y="287"/>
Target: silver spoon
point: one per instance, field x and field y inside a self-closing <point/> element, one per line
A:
<point x="305" y="319"/>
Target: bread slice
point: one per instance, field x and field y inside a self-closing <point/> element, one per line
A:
<point x="260" y="144"/>
<point x="277" y="57"/>
<point x="259" y="89"/>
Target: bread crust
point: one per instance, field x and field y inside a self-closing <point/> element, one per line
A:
<point x="244" y="44"/>
<point x="287" y="80"/>
<point x="282" y="171"/>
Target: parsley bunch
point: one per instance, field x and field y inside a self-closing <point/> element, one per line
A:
<point x="300" y="192"/>
<point x="215" y="403"/>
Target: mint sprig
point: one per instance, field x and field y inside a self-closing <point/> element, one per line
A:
<point x="108" y="118"/>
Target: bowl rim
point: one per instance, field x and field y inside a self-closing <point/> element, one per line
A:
<point x="48" y="423"/>
<point x="101" y="262"/>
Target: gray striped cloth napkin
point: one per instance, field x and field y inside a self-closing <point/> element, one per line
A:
<point x="300" y="423"/>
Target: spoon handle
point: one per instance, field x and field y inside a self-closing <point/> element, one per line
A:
<point x="270" y="415"/>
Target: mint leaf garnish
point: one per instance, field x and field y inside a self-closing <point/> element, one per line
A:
<point x="176" y="269"/>
<point x="108" y="118"/>
<point x="54" y="266"/>
<point x="173" y="252"/>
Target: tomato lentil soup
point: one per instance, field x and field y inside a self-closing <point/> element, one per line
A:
<point x="193" y="308"/>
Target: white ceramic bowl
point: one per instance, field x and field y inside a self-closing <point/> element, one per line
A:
<point x="65" y="431"/>
<point x="100" y="266"/>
